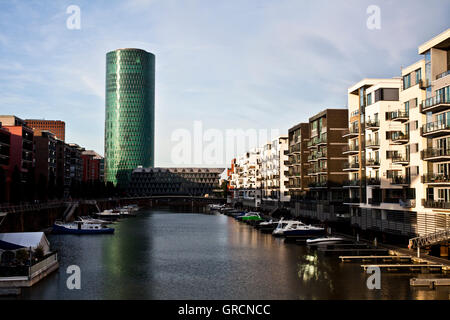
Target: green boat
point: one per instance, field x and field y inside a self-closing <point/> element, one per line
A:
<point x="253" y="217"/>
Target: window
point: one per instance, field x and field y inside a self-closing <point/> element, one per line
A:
<point x="406" y="81"/>
<point x="418" y="75"/>
<point x="369" y="99"/>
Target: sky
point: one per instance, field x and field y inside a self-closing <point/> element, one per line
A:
<point x="249" y="64"/>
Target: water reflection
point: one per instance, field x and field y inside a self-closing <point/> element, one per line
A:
<point x="166" y="255"/>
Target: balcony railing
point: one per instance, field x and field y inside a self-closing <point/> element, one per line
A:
<point x="373" y="181"/>
<point x="373" y="124"/>
<point x="399" y="137"/>
<point x="352" y="183"/>
<point x="435" y="128"/>
<point x="401" y="159"/>
<point x="351" y="165"/>
<point x="372" y="162"/>
<point x="352" y="200"/>
<point x="427" y="154"/>
<point x="399" y="115"/>
<point x="352" y="148"/>
<point x="436" y="178"/>
<point x="436" y="204"/>
<point x="436" y="103"/>
<point x="400" y="180"/>
<point x="352" y="131"/>
<point x="372" y="143"/>
<point x="443" y="74"/>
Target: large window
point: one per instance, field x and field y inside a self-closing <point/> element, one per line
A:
<point x="406" y="81"/>
<point x="418" y="75"/>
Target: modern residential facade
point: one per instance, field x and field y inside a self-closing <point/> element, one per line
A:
<point x="175" y="181"/>
<point x="297" y="163"/>
<point x="21" y="146"/>
<point x="129" y="113"/>
<point x="45" y="156"/>
<point x="93" y="166"/>
<point x="57" y="127"/>
<point x="274" y="173"/>
<point x="326" y="176"/>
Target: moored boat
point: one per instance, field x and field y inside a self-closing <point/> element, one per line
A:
<point x="301" y="230"/>
<point x="108" y="214"/>
<point x="282" y="224"/>
<point x="325" y="240"/>
<point x="80" y="228"/>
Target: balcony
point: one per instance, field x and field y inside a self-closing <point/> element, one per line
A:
<point x="351" y="132"/>
<point x="424" y="84"/>
<point x="373" y="125"/>
<point x="436" y="178"/>
<point x="443" y="74"/>
<point x="399" y="115"/>
<point x="321" y="155"/>
<point x="400" y="159"/>
<point x="295" y="149"/>
<point x="312" y="157"/>
<point x="435" y="129"/>
<point x="398" y="137"/>
<point x="435" y="155"/>
<point x="373" y="181"/>
<point x="436" y="204"/>
<point x="372" y="163"/>
<point x="351" y="166"/>
<point x="400" y="180"/>
<point x="373" y="144"/>
<point x="435" y="104"/>
<point x="352" y="200"/>
<point x="351" y="149"/>
<point x="322" y="139"/>
<point x="318" y="185"/>
<point x="355" y="183"/>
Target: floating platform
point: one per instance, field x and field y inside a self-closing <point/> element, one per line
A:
<point x="354" y="251"/>
<point x="431" y="283"/>
<point x="409" y="267"/>
<point x="372" y="257"/>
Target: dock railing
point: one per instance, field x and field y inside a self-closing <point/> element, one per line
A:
<point x="429" y="239"/>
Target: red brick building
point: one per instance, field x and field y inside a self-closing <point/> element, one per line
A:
<point x="57" y="127"/>
<point x="93" y="166"/>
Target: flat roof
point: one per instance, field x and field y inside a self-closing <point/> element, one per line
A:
<point x="441" y="41"/>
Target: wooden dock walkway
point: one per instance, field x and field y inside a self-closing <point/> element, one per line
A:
<point x="369" y="258"/>
<point x="431" y="283"/>
<point x="411" y="267"/>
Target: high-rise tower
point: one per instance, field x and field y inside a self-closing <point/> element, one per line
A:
<point x="129" y="113"/>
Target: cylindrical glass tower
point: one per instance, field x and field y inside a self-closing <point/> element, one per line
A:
<point x="129" y="113"/>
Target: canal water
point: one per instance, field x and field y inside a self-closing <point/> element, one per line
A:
<point x="162" y="254"/>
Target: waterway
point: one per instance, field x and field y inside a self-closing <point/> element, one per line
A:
<point x="163" y="254"/>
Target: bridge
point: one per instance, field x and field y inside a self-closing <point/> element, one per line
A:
<point x="429" y="239"/>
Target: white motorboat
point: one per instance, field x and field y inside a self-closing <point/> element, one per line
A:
<point x="80" y="227"/>
<point x="87" y="219"/>
<point x="108" y="214"/>
<point x="282" y="225"/>
<point x="325" y="240"/>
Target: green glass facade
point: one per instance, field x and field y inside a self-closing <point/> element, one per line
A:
<point x="129" y="113"/>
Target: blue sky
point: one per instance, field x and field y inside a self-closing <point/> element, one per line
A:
<point x="230" y="64"/>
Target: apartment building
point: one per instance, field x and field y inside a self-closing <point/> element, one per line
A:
<point x="397" y="147"/>
<point x="45" y="156"/>
<point x="246" y="180"/>
<point x="274" y="175"/>
<point x="298" y="164"/>
<point x="324" y="199"/>
<point x="436" y="110"/>
<point x="21" y="146"/>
